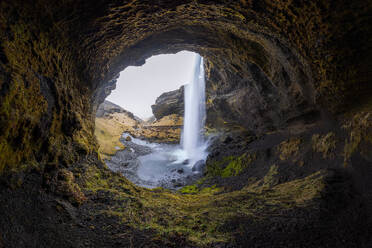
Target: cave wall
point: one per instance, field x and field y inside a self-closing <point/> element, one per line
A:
<point x="44" y="117"/>
<point x="268" y="63"/>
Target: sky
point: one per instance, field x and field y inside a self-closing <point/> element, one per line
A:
<point x="138" y="86"/>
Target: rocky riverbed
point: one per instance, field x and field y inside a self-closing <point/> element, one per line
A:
<point x="154" y="165"/>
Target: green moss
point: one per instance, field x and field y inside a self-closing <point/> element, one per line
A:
<point x="194" y="189"/>
<point x="230" y="166"/>
<point x="46" y="72"/>
<point x="214" y="169"/>
<point x="211" y="190"/>
<point x="234" y="168"/>
<point x="190" y="189"/>
<point x="96" y="181"/>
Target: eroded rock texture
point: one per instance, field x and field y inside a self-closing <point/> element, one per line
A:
<point x="272" y="66"/>
<point x="169" y="103"/>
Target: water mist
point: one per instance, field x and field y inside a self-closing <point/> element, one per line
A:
<point x="166" y="165"/>
<point x="193" y="142"/>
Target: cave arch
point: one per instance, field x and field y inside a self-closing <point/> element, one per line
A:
<point x="266" y="69"/>
<point x="72" y="53"/>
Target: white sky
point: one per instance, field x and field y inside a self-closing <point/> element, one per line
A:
<point x="138" y="87"/>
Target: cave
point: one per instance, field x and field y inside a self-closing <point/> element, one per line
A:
<point x="151" y="128"/>
<point x="287" y="88"/>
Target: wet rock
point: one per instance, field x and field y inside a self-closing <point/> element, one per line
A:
<point x="180" y="171"/>
<point x="198" y="166"/>
<point x="128" y="138"/>
<point x="177" y="184"/>
<point x="125" y="164"/>
<point x="186" y="161"/>
<point x="227" y="140"/>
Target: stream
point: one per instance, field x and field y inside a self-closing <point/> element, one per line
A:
<point x="152" y="165"/>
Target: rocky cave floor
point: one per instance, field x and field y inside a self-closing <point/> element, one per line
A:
<point x="266" y="191"/>
<point x="127" y="163"/>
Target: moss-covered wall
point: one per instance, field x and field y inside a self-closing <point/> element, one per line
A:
<point x="44" y="115"/>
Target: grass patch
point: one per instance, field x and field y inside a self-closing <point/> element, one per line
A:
<point x="230" y="166"/>
<point x="108" y="133"/>
<point x="194" y="189"/>
<point x="190" y="189"/>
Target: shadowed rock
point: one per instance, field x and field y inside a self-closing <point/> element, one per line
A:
<point x="169" y="103"/>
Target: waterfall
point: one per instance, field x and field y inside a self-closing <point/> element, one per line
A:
<point x="192" y="141"/>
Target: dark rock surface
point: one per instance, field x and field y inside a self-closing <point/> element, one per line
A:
<point x="198" y="166"/>
<point x="169" y="103"/>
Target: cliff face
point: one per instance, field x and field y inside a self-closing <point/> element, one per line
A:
<point x="107" y="108"/>
<point x="278" y="70"/>
<point x="169" y="103"/>
<point x="110" y="123"/>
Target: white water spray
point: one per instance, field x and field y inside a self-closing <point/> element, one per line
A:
<point x="193" y="142"/>
<point x="170" y="166"/>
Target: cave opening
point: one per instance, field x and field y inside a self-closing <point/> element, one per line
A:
<point x="165" y="147"/>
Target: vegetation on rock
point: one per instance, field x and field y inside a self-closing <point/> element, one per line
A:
<point x="108" y="133"/>
<point x="112" y="121"/>
<point x="199" y="215"/>
<point x="325" y="144"/>
<point x="360" y="138"/>
<point x="229" y="166"/>
<point x="289" y="149"/>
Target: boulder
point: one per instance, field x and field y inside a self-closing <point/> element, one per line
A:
<point x="169" y="103"/>
<point x="198" y="166"/>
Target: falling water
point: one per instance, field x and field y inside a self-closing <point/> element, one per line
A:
<point x="193" y="138"/>
<point x="171" y="166"/>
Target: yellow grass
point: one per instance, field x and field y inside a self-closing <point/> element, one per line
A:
<point x="109" y="129"/>
<point x="169" y="120"/>
<point x="108" y="132"/>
